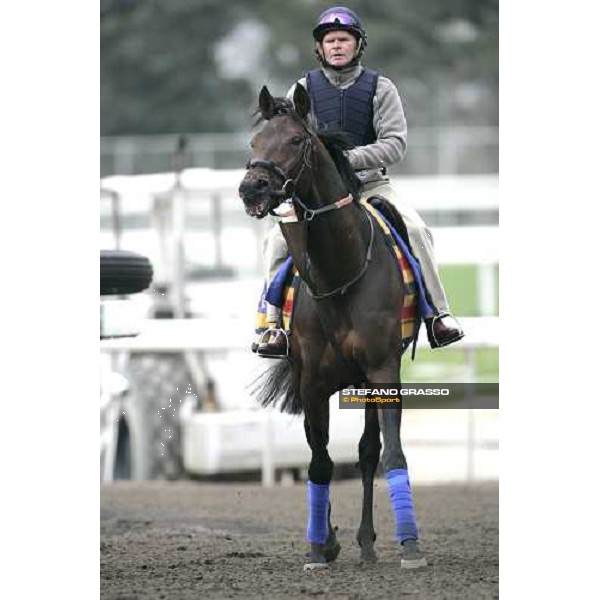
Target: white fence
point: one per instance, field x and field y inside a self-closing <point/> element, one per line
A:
<point x="240" y="438"/>
<point x="433" y="150"/>
<point x="195" y="221"/>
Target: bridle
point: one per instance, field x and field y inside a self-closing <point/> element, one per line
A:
<point x="290" y="183"/>
<point x="288" y="191"/>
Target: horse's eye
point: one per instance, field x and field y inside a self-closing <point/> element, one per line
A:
<point x="296" y="140"/>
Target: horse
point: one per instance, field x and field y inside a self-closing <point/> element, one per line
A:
<point x="346" y="315"/>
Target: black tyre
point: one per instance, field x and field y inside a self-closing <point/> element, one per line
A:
<point x="124" y="272"/>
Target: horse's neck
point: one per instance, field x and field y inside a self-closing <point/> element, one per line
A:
<point x="336" y="243"/>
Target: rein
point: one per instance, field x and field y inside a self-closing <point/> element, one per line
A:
<point x="311" y="213"/>
<point x="342" y="289"/>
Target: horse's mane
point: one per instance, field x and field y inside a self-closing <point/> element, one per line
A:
<point x="336" y="142"/>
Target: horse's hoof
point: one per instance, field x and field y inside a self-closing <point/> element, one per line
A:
<point x="412" y="557"/>
<point x="368" y="555"/>
<point x="314" y="566"/>
<point x="332" y="552"/>
<point x="321" y="555"/>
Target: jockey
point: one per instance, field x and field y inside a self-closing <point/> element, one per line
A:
<point x="367" y="106"/>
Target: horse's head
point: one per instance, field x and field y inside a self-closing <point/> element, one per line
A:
<point x="280" y="152"/>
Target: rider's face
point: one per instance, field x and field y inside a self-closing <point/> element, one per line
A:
<point x="338" y="48"/>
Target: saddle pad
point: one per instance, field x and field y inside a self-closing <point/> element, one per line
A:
<point x="409" y="314"/>
<point x="288" y="289"/>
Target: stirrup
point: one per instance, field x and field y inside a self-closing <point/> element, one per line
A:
<point x="266" y="350"/>
<point x="434" y="342"/>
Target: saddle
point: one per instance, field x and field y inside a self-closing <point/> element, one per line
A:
<point x="392" y="216"/>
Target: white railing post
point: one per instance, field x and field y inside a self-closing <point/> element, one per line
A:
<point x="470" y="395"/>
<point x="486" y="289"/>
<point x="268" y="469"/>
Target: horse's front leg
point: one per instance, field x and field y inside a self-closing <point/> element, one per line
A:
<point x="323" y="544"/>
<point x="396" y="473"/>
<point x="369" y="448"/>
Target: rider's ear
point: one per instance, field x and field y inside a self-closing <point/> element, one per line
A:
<point x="301" y="101"/>
<point x="266" y="103"/>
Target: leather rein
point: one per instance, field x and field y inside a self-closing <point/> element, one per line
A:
<point x="288" y="192"/>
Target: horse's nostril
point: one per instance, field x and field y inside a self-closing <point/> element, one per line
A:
<point x="253" y="188"/>
<point x="243" y="189"/>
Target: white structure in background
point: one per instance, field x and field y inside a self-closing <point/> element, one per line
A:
<point x="246" y="437"/>
<point x="433" y="150"/>
<point x="203" y="225"/>
<point x="210" y="230"/>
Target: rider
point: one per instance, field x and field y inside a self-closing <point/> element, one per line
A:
<point x="345" y="95"/>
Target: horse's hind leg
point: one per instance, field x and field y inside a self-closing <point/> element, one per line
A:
<point x="369" y="448"/>
<point x="324" y="546"/>
<point x="396" y="473"/>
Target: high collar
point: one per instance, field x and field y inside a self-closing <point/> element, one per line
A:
<point x="342" y="77"/>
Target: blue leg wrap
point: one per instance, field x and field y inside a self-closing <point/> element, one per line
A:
<point x="402" y="504"/>
<point x="317" y="500"/>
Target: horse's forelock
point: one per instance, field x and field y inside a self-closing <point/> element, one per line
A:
<point x="335" y="142"/>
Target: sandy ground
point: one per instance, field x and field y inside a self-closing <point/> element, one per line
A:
<point x="197" y="540"/>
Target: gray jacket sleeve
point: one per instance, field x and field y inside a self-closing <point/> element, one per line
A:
<point x="390" y="127"/>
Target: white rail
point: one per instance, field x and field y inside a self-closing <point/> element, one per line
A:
<point x="229" y="441"/>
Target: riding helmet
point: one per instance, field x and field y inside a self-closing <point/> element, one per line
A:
<point x="339" y="18"/>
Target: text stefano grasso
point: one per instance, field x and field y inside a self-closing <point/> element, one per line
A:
<point x="395" y="392"/>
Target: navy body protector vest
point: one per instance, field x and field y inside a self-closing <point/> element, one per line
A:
<point x="349" y="110"/>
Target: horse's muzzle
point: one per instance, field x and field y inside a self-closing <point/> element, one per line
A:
<point x="257" y="196"/>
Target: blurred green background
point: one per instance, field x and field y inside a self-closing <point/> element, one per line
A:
<point x="195" y="67"/>
<point x="460" y="283"/>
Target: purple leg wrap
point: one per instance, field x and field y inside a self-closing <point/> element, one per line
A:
<point x="317" y="500"/>
<point x="402" y="504"/>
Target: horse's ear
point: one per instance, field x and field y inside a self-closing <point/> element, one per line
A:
<point x="301" y="101"/>
<point x="266" y="103"/>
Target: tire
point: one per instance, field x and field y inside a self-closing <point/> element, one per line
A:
<point x="124" y="272"/>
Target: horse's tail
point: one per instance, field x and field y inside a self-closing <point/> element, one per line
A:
<point x="273" y="386"/>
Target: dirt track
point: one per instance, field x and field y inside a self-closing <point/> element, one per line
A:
<point x="196" y="540"/>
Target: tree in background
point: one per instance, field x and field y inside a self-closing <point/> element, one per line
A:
<point x="158" y="72"/>
<point x="197" y="65"/>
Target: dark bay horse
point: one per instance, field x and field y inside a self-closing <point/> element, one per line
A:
<point x="346" y="319"/>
